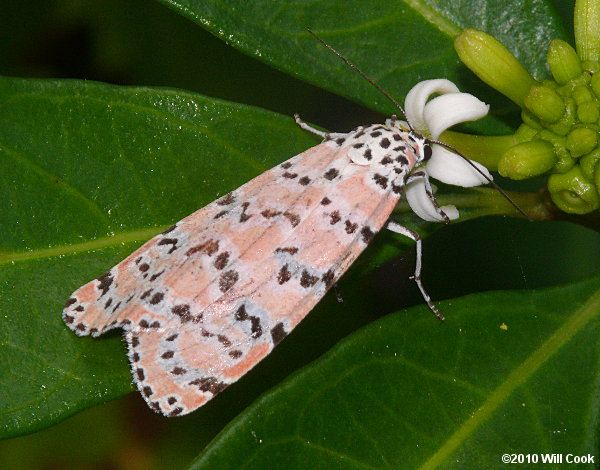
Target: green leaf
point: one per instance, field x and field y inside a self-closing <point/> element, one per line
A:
<point x="87" y="173"/>
<point x="396" y="43"/>
<point x="408" y="392"/>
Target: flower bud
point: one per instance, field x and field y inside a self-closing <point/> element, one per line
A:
<point x="494" y="64"/>
<point x="564" y="125"/>
<point x="525" y="133"/>
<point x="589" y="163"/>
<point x="545" y="103"/>
<point x="586" y="20"/>
<point x="581" y="140"/>
<point x="591" y="66"/>
<point x="582" y="94"/>
<point x="595" y="84"/>
<point x="527" y="159"/>
<point x="573" y="193"/>
<point x="588" y="112"/>
<point x="530" y="120"/>
<point x="563" y="62"/>
<point x="565" y="161"/>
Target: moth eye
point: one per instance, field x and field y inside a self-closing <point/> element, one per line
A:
<point x="427" y="152"/>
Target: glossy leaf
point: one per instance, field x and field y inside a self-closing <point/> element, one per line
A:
<point x="509" y="372"/>
<point x="91" y="173"/>
<point x="396" y="43"/>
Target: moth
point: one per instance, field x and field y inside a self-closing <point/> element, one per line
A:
<point x="204" y="301"/>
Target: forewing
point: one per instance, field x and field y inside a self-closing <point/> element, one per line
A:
<point x="204" y="301"/>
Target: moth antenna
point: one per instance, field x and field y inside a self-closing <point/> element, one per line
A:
<point x="496" y="187"/>
<point x="363" y="75"/>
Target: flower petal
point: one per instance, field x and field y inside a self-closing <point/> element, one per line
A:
<point x="450" y="168"/>
<point x="447" y="110"/>
<point x="421" y="204"/>
<point x="414" y="104"/>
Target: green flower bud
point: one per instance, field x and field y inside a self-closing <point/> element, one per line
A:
<point x="525" y="133"/>
<point x="581" y="141"/>
<point x="563" y="61"/>
<point x="565" y="160"/>
<point x="588" y="164"/>
<point x="527" y="159"/>
<point x="573" y="193"/>
<point x="588" y="112"/>
<point x="494" y="64"/>
<point x="530" y="120"/>
<point x="582" y="94"/>
<point x="587" y="29"/>
<point x="564" y="125"/>
<point x="591" y="66"/>
<point x="545" y="103"/>
<point x="595" y="83"/>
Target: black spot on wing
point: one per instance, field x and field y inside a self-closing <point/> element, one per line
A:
<point x="106" y="281"/>
<point x="208" y="247"/>
<point x="307" y="280"/>
<point x="331" y="174"/>
<point x="278" y="333"/>
<point x="221" y="260"/>
<point x="243" y="216"/>
<point x="227" y="280"/>
<point x="334" y="217"/>
<point x="242" y="315"/>
<point x="381" y="180"/>
<point x="169" y="241"/>
<point x="293" y="218"/>
<point x="183" y="312"/>
<point x="226" y="200"/>
<point x="209" y="384"/>
<point x="328" y="278"/>
<point x="292" y="250"/>
<point x="170" y="229"/>
<point x="350" y="227"/>
<point x="270" y="213"/>
<point x="367" y="234"/>
<point x="284" y="275"/>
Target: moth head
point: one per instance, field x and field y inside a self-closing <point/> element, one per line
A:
<point x="423" y="149"/>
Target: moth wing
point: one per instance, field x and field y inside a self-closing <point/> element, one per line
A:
<point x="332" y="221"/>
<point x="168" y="284"/>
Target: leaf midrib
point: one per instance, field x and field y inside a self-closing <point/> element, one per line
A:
<point x="74" y="248"/>
<point x="516" y="378"/>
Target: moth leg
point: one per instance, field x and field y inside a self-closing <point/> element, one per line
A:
<point x="312" y="130"/>
<point x="429" y="190"/>
<point x="338" y="294"/>
<point x="397" y="228"/>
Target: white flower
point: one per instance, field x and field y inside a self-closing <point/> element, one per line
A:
<point x="431" y="118"/>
